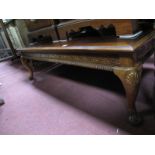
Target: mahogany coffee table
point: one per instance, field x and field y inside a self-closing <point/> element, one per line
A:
<point x="123" y="57"/>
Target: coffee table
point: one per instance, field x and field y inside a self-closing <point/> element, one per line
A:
<point x="124" y="57"/>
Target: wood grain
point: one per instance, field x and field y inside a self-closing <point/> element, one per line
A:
<point x="116" y="45"/>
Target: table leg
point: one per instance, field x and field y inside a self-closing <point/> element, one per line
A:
<point x="28" y="65"/>
<point x="130" y="78"/>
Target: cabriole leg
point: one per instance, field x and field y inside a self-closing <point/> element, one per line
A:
<point x="28" y="65"/>
<point x="130" y="79"/>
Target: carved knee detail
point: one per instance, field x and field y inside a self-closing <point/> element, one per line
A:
<point x="130" y="79"/>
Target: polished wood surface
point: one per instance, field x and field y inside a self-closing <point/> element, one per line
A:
<point x="124" y="57"/>
<point x="113" y="45"/>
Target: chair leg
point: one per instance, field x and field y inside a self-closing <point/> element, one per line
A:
<point x="28" y="65"/>
<point x="130" y="79"/>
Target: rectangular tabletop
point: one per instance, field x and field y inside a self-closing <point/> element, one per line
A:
<point x="109" y="45"/>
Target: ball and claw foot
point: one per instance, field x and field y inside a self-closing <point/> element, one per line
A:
<point x="1" y="102"/>
<point x="135" y="119"/>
